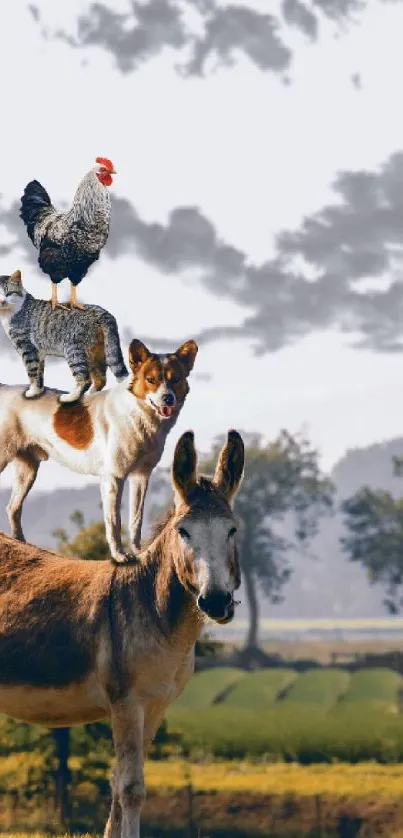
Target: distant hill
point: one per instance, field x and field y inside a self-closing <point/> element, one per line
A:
<point x="330" y="585"/>
<point x="323" y="583"/>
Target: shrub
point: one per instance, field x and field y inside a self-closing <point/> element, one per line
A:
<point x="379" y="684"/>
<point x="207" y="687"/>
<point x="318" y="686"/>
<point x="260" y="688"/>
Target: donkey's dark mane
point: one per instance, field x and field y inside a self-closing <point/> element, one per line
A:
<point x="159" y="526"/>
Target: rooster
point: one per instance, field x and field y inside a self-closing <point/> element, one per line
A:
<point x="69" y="242"/>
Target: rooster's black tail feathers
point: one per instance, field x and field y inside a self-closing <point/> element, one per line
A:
<point x="33" y="202"/>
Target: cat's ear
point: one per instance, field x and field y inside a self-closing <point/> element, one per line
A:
<point x="15" y="278"/>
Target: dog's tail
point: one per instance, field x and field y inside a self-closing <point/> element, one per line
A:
<point x="113" y="352"/>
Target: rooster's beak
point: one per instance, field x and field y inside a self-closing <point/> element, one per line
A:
<point x="113" y="172"/>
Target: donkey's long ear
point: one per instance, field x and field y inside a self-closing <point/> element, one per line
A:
<point x="183" y="473"/>
<point x="138" y="353"/>
<point x="187" y="354"/>
<point x="229" y="470"/>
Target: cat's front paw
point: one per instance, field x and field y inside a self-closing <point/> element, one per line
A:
<point x="69" y="398"/>
<point x="33" y="391"/>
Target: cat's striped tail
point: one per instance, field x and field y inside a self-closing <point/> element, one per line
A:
<point x="113" y="351"/>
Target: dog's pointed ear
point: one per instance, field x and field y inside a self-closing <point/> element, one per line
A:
<point x="186" y="354"/>
<point x="138" y="353"/>
<point x="230" y="465"/>
<point x="183" y="474"/>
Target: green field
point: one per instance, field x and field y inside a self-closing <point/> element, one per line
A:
<point x="323" y="687"/>
<point x="260" y="689"/>
<point x="209" y="687"/>
<point x="318" y="715"/>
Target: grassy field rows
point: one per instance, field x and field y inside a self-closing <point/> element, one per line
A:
<point x="258" y="689"/>
<point x="315" y="716"/>
<point x="323" y="687"/>
<point x="207" y="688"/>
<point x="327" y="687"/>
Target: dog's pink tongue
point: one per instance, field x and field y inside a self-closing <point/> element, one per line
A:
<point x="167" y="411"/>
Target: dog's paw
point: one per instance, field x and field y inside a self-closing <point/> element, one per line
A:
<point x="34" y="391"/>
<point x="125" y="558"/>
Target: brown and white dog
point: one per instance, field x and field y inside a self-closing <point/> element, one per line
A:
<point x="114" y="434"/>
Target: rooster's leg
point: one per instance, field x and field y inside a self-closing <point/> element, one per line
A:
<point x="73" y="299"/>
<point x="54" y="302"/>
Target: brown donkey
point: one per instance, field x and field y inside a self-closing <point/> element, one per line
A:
<point x="82" y="640"/>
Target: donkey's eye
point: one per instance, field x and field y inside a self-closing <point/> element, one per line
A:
<point x="232" y="532"/>
<point x="183" y="533"/>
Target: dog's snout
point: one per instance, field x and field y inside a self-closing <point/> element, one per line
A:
<point x="217" y="604"/>
<point x="168" y="399"/>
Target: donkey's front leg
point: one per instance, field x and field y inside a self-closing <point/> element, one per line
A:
<point x="113" y="827"/>
<point x="128" y="737"/>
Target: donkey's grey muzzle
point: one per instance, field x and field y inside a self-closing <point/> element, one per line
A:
<point x="218" y="605"/>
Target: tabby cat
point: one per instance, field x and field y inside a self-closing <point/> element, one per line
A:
<point x="88" y="339"/>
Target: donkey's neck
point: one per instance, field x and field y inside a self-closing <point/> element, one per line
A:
<point x="175" y="607"/>
<point x="155" y="595"/>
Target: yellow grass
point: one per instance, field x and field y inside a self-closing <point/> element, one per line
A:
<point x="362" y="780"/>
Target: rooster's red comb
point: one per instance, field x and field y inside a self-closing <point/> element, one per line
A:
<point x="103" y="161"/>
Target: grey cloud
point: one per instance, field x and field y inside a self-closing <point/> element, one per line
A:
<point x="341" y="9"/>
<point x="237" y="28"/>
<point x="131" y="39"/>
<point x="154" y="25"/>
<point x="16" y="235"/>
<point x="346" y="246"/>
<point x="356" y="239"/>
<point x="356" y="81"/>
<point x="34" y="12"/>
<point x="299" y="15"/>
<point x="222" y="32"/>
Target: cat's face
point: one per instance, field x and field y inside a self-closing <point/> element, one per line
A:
<point x="12" y="294"/>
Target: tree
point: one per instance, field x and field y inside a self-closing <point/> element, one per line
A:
<point x="374" y="523"/>
<point x="282" y="479"/>
<point x="89" y="542"/>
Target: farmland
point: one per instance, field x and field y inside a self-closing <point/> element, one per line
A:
<point x="315" y="716"/>
<point x="287" y="750"/>
<point x="276" y="800"/>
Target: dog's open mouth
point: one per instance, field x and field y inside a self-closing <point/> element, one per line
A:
<point x="163" y="410"/>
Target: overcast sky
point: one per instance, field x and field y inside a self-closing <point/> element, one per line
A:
<point x="258" y="202"/>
